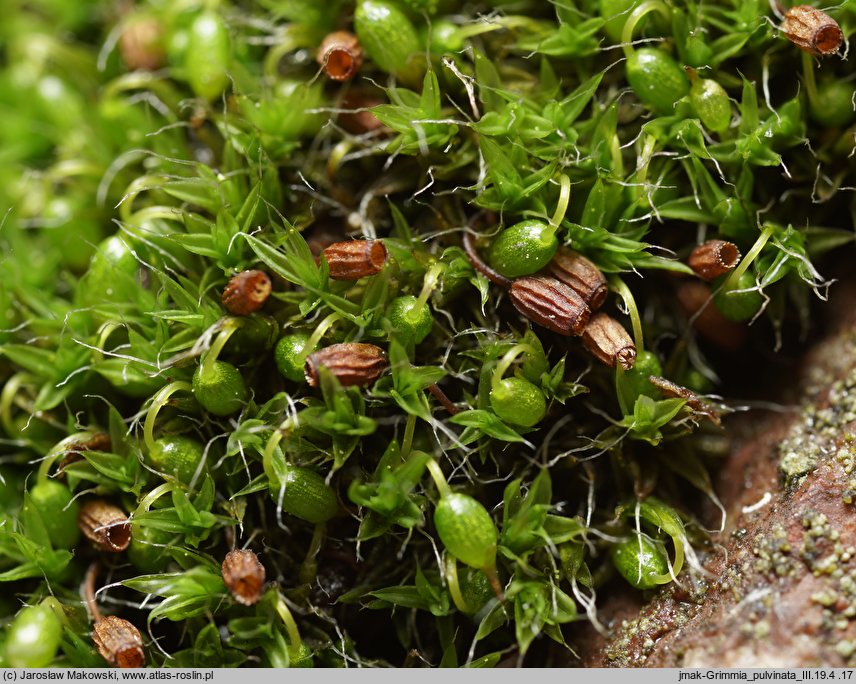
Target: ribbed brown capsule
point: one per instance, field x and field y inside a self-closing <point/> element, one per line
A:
<point x="355" y="259"/>
<point x="105" y="525"/>
<point x="550" y="303"/>
<point x="695" y="299"/>
<point x="244" y="575"/>
<point x="811" y="30"/>
<point x="341" y="55"/>
<point x="714" y="258"/>
<point x="608" y="341"/>
<point x="352" y="363"/>
<point x="119" y="642"/>
<point x="581" y="275"/>
<point x="246" y="292"/>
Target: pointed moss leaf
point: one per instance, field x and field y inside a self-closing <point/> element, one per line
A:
<point x="487" y="423"/>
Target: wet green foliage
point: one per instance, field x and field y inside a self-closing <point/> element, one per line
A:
<point x="477" y="498"/>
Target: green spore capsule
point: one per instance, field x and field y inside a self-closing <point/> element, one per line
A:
<point x="54" y="503"/>
<point x="177" y="456"/>
<point x="833" y="104"/>
<point x="711" y="104"/>
<point x="305" y="495"/>
<point x="208" y="56"/>
<point x="411" y="319"/>
<point x="518" y="401"/>
<point x="220" y="389"/>
<point x="466" y="530"/>
<point x="386" y="35"/>
<point x="657" y="79"/>
<point x="290" y="356"/>
<point x="146" y="551"/>
<point x="640" y="561"/>
<point x="736" y="305"/>
<point x="33" y="637"/>
<point x="523" y="249"/>
<point x="635" y="381"/>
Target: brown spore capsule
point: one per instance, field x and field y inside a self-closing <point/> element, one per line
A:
<point x="581" y="275"/>
<point x="713" y="259"/>
<point x="694" y="298"/>
<point x="355" y="259"/>
<point x="98" y="441"/>
<point x="141" y="44"/>
<point x="811" y="30"/>
<point x="550" y="303"/>
<point x="119" y="642"/>
<point x="244" y="576"/>
<point x="351" y="363"/>
<point x="356" y="117"/>
<point x="106" y="525"/>
<point x="340" y="55"/>
<point x="246" y="292"/>
<point x="608" y="341"/>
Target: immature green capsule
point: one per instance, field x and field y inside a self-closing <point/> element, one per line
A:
<point x="257" y="334"/>
<point x="112" y="268"/>
<point x="305" y="495"/>
<point x="656" y="79"/>
<point x="444" y="36"/>
<point x="222" y="390"/>
<point x="519" y="402"/>
<point x="711" y="104"/>
<point x="640" y="561"/>
<point x="466" y="530"/>
<point x="523" y="249"/>
<point x="208" y="56"/>
<point x="387" y="36"/>
<point x="410" y="319"/>
<point x="290" y="356"/>
<point x="833" y="104"/>
<point x="58" y="511"/>
<point x="636" y="379"/>
<point x="33" y="637"/>
<point x="177" y="456"/>
<point x="735" y="305"/>
<point x="146" y="551"/>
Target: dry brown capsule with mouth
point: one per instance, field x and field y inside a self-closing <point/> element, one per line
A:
<point x="580" y="274"/>
<point x="246" y="292"/>
<point x="105" y="525"/>
<point x="351" y="363"/>
<point x="811" y="30"/>
<point x="355" y="259"/>
<point x="608" y="341"/>
<point x="119" y="642"/>
<point x="713" y="259"/>
<point x="550" y="303"/>
<point x="244" y="576"/>
<point x="340" y="55"/>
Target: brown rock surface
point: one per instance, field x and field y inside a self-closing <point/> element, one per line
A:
<point x="782" y="585"/>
